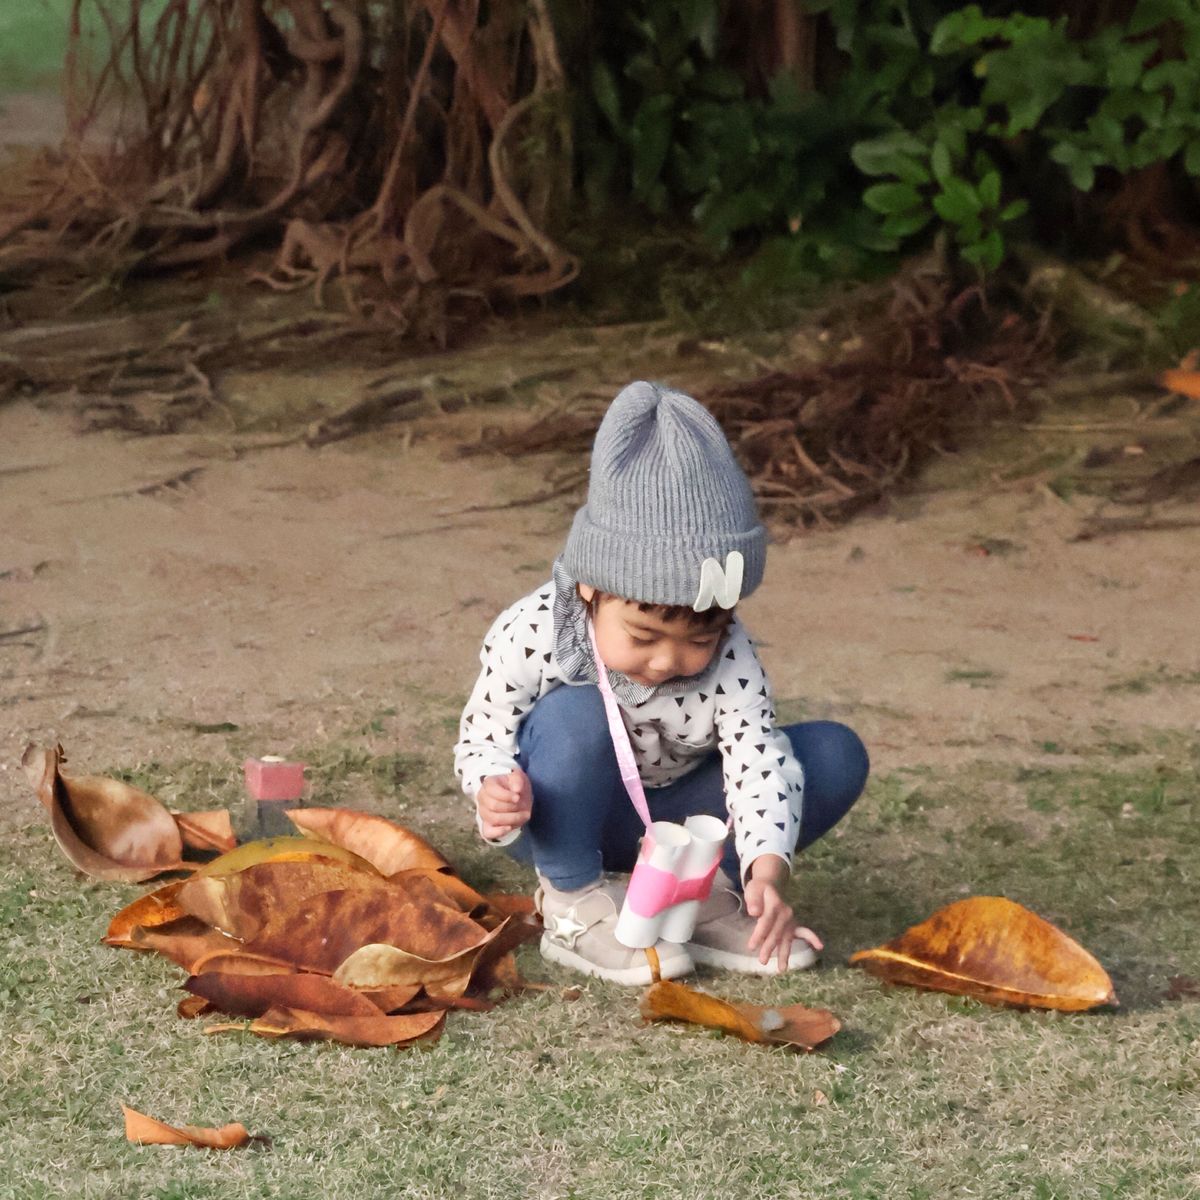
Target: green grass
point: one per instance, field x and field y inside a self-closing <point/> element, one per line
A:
<point x="920" y="1095"/>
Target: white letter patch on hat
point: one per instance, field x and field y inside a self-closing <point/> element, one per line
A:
<point x="717" y="586"/>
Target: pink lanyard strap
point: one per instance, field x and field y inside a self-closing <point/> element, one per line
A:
<point x="630" y="776"/>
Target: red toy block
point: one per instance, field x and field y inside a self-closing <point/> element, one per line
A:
<point x="271" y="778"/>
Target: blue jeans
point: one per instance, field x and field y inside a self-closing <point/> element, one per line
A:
<point x="583" y="822"/>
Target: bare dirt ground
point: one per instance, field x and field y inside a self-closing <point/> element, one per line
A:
<point x="152" y="588"/>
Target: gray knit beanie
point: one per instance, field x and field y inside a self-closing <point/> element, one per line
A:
<point x="669" y="518"/>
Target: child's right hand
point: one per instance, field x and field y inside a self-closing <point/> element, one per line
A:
<point x="505" y="803"/>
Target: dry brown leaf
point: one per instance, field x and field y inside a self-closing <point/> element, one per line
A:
<point x="379" y="966"/>
<point x="377" y="1030"/>
<point x="185" y="942"/>
<point x="146" y="1131"/>
<point x="788" y="1025"/>
<point x="994" y="950"/>
<point x="107" y="829"/>
<point x="321" y="932"/>
<point x="191" y="1007"/>
<point x="241" y="962"/>
<point x="240" y="903"/>
<point x="391" y="999"/>
<point x="146" y="912"/>
<point x="253" y="995"/>
<point x="387" y="846"/>
<point x="212" y="830"/>
<point x="452" y="889"/>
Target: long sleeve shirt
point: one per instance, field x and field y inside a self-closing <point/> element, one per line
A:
<point x="672" y="727"/>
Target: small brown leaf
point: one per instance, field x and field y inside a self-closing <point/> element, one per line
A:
<point x="387" y="846"/>
<point x="377" y="966"/>
<point x="106" y="828"/>
<point x="253" y="995"/>
<point x="210" y="830"/>
<point x="146" y="1131"/>
<point x="184" y="942"/>
<point x="790" y="1025"/>
<point x="191" y="1007"/>
<point x="352" y="1031"/>
<point x="146" y="912"/>
<point x="997" y="951"/>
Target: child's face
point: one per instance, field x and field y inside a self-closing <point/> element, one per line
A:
<point x="646" y="648"/>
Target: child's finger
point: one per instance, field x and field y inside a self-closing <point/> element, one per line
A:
<point x="810" y="937"/>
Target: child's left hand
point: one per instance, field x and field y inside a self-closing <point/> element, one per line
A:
<point x="776" y="928"/>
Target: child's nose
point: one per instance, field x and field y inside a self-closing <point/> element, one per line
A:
<point x="664" y="661"/>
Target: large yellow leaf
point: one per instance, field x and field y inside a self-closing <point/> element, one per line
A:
<point x="283" y="849"/>
<point x="995" y="950"/>
<point x="387" y="846"/>
<point x="107" y="829"/>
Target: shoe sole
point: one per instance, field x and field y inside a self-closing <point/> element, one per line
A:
<point x="636" y="976"/>
<point x="801" y="958"/>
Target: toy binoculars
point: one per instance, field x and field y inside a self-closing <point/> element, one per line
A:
<point x="673" y="874"/>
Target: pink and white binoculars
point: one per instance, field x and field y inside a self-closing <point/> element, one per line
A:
<point x="671" y="878"/>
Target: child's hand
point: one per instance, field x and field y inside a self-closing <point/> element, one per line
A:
<point x="776" y="928"/>
<point x="505" y="803"/>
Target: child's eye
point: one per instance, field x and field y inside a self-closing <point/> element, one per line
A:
<point x="641" y="641"/>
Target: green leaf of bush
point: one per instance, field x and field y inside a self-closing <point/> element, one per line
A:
<point x="888" y="198"/>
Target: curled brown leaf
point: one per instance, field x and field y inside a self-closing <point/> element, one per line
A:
<point x="997" y="951"/>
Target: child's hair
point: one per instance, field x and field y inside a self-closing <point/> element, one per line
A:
<point x="709" y="619"/>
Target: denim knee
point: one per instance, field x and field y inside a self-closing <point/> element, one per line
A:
<point x="845" y="759"/>
<point x="566" y="728"/>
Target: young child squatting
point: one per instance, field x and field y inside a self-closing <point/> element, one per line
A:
<point x="656" y="560"/>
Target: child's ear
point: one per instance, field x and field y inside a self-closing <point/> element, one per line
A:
<point x="586" y="592"/>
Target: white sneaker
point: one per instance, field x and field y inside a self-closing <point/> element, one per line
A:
<point x="580" y="933"/>
<point x="722" y="935"/>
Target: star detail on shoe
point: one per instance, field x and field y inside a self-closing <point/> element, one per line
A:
<point x="565" y="927"/>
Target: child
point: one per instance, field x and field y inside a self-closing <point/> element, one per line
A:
<point x="668" y="542"/>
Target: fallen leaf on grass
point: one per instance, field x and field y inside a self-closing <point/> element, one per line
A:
<point x="106" y="828"/>
<point x="381" y="966"/>
<point x="788" y="1025"/>
<point x="376" y="1030"/>
<point x="252" y="995"/>
<point x="321" y="932"/>
<point x="241" y="903"/>
<point x="995" y="950"/>
<point x="310" y="940"/>
<point x="388" y="847"/>
<point x="146" y="912"/>
<point x="146" y="1131"/>
<point x="282" y="849"/>
<point x="185" y="942"/>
